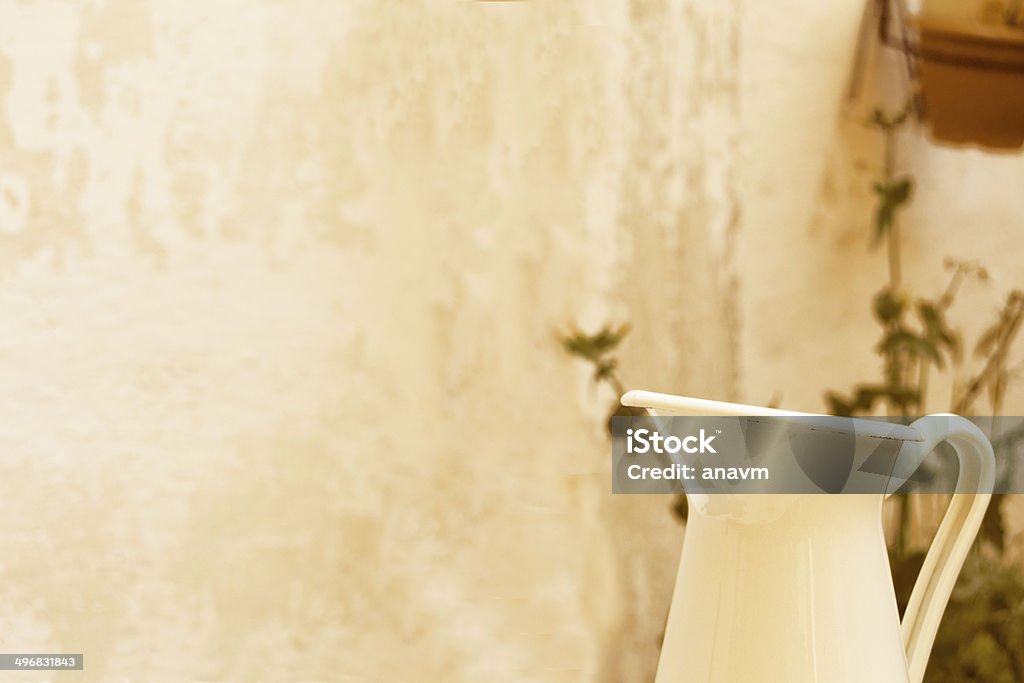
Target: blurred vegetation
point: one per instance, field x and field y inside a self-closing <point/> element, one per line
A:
<point x="982" y="633"/>
<point x="598" y="349"/>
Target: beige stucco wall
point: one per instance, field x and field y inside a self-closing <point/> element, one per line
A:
<point x="281" y="392"/>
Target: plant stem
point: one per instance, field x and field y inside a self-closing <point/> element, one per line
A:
<point x="993" y="365"/>
<point x="888" y="173"/>
<point x="615" y="384"/>
<point x="953" y="287"/>
<point x="896" y="368"/>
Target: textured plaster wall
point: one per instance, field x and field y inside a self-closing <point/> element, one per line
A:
<point x="280" y="390"/>
<point x="280" y="281"/>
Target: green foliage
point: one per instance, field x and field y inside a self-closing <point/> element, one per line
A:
<point x="596" y="348"/>
<point x="994" y="347"/>
<point x="888" y="306"/>
<point x="937" y="331"/>
<point x="915" y="336"/>
<point x="890" y="122"/>
<point x="993" y="528"/>
<point x="982" y="635"/>
<point x="1004" y="328"/>
<point x="866" y="396"/>
<point x="901" y="341"/>
<point x="892" y="195"/>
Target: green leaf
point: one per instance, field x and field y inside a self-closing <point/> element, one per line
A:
<point x="838" y="405"/>
<point x="888" y="307"/>
<point x="604" y="369"/>
<point x="936" y="329"/>
<point x="885" y="121"/>
<point x="987" y="342"/>
<point x="891" y="196"/>
<point x="901" y="339"/>
<point x="593" y="346"/>
<point x="609" y="337"/>
<point x="956" y="347"/>
<point x="930" y="314"/>
<point x="864" y="397"/>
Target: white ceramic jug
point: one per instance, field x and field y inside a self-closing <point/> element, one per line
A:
<point x="797" y="588"/>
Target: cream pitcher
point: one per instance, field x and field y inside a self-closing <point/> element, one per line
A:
<point x="796" y="588"/>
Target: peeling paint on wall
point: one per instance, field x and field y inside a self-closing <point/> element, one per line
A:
<point x="280" y="388"/>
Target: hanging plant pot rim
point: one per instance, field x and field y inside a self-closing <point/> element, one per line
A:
<point x="970" y="44"/>
<point x="969" y="31"/>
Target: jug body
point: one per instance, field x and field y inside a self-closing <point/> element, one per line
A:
<point x="800" y="593"/>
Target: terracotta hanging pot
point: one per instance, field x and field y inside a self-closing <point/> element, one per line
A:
<point x="972" y="76"/>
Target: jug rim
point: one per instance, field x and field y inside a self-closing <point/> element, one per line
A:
<point x="702" y="407"/>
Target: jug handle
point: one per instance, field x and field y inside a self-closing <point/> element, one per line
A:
<point x="955" y="536"/>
